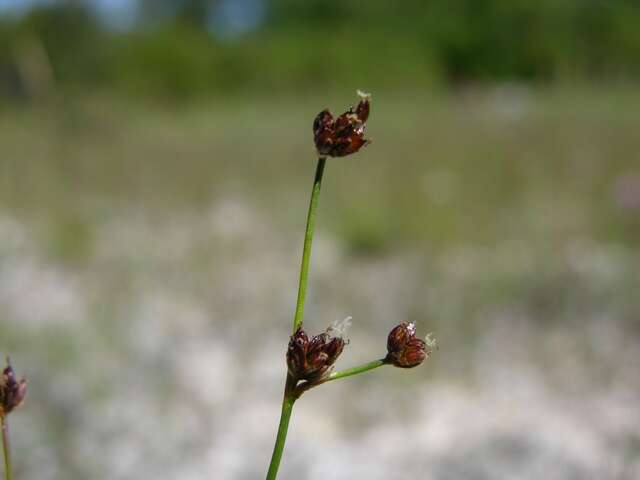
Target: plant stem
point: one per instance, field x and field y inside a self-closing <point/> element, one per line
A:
<point x="287" y="407"/>
<point x="289" y="396"/>
<point x="8" y="475"/>
<point x="365" y="367"/>
<point x="308" y="239"/>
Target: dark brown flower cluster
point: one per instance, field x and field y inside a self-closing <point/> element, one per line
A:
<point x="312" y="359"/>
<point x="12" y="391"/>
<point x="344" y="135"/>
<point x="405" y="350"/>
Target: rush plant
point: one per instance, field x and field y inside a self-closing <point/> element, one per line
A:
<point x="310" y="359"/>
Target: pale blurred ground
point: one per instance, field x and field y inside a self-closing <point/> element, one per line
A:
<point x="148" y="272"/>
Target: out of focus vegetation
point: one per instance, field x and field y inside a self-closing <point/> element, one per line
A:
<point x="184" y="49"/>
<point x="154" y="176"/>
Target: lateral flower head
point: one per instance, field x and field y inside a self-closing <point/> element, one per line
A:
<point x="312" y="359"/>
<point x="12" y="391"/>
<point x="344" y="135"/>
<point x="404" y="349"/>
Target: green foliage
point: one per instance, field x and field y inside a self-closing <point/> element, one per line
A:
<point x="333" y="44"/>
<point x="72" y="39"/>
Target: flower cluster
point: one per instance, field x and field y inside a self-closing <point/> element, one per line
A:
<point x="405" y="350"/>
<point x="313" y="359"/>
<point x="343" y="135"/>
<point x="12" y="391"/>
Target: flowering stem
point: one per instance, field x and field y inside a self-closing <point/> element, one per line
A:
<point x="287" y="407"/>
<point x="308" y="239"/>
<point x="365" y="367"/>
<point x="289" y="397"/>
<point x="8" y="475"/>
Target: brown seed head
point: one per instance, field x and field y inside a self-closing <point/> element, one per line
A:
<point x="12" y="391"/>
<point x="297" y="353"/>
<point x="404" y="349"/>
<point x="334" y="349"/>
<point x="344" y="135"/>
<point x="400" y="335"/>
<point x="311" y="359"/>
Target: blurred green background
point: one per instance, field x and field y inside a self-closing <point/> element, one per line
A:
<point x="156" y="159"/>
<point x="186" y="49"/>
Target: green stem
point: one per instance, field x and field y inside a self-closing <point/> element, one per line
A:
<point x="365" y="367"/>
<point x="283" y="427"/>
<point x="308" y="239"/>
<point x="8" y="475"/>
<point x="289" y="397"/>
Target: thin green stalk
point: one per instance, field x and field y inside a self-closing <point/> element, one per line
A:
<point x="287" y="407"/>
<point x="289" y="397"/>
<point x="308" y="239"/>
<point x="8" y="475"/>
<point x="365" y="367"/>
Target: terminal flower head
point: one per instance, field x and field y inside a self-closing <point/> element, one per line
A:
<point x="344" y="135"/>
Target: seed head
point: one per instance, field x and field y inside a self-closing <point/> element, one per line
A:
<point x="312" y="359"/>
<point x="404" y="349"/>
<point x="12" y="391"/>
<point x="344" y="135"/>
